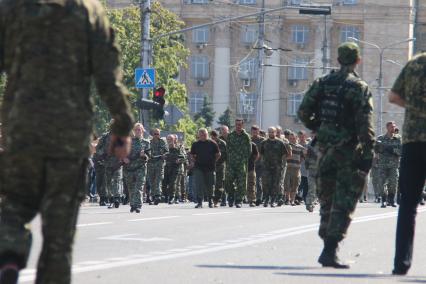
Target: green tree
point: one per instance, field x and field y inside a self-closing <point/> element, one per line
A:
<point x="206" y="112"/>
<point x="227" y="118"/>
<point x="169" y="55"/>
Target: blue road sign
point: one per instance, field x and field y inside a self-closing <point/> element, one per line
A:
<point x="145" y="78"/>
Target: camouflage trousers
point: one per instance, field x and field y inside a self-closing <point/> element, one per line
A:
<point x="52" y="187"/>
<point x="312" y="187"/>
<point x="339" y="186"/>
<point x="135" y="181"/>
<point x="259" y="190"/>
<point x="236" y="182"/>
<point x="271" y="182"/>
<point x="280" y="195"/>
<point x="375" y="181"/>
<point x="113" y="182"/>
<point x="155" y="175"/>
<point x="251" y="186"/>
<point x="219" y="190"/>
<point x="387" y="181"/>
<point x="291" y="183"/>
<point x="100" y="180"/>
<point x="171" y="182"/>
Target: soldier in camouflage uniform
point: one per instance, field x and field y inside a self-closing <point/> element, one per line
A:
<point x="224" y="133"/>
<point x="220" y="169"/>
<point x="280" y="197"/>
<point x="48" y="120"/>
<point x="175" y="159"/>
<point x="257" y="139"/>
<point x="134" y="169"/>
<point x="339" y="106"/>
<point x="156" y="165"/>
<point x="388" y="148"/>
<point x="293" y="175"/>
<point x="374" y="175"/>
<point x="409" y="92"/>
<point x="311" y="167"/>
<point x="239" y="151"/>
<point x="273" y="154"/>
<point x="99" y="164"/>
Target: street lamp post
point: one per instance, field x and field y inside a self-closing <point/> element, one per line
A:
<point x="380" y="89"/>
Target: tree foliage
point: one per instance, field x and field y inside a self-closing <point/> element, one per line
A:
<point x="169" y="55"/>
<point x="206" y="112"/>
<point x="226" y="118"/>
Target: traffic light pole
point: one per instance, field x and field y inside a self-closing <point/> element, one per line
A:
<point x="145" y="11"/>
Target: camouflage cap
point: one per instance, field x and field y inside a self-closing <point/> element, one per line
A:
<point x="348" y="53"/>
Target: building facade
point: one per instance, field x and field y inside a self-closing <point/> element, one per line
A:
<point x="266" y="85"/>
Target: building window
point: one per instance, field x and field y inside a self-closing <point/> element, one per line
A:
<point x="247" y="103"/>
<point x="247" y="2"/>
<point x="248" y="69"/>
<point x="349" y="31"/>
<point x="249" y="34"/>
<point x="298" y="70"/>
<point x="294" y="2"/>
<point x="294" y="101"/>
<point x="200" y="67"/>
<point x="349" y="2"/>
<point x="300" y="34"/>
<point x="196" y="102"/>
<point x="200" y="35"/>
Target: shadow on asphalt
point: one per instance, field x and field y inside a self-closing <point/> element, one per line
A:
<point x="258" y="267"/>
<point x="406" y="279"/>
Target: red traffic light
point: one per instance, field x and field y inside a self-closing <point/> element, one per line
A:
<point x="159" y="92"/>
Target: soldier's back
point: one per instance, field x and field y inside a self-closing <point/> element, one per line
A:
<point x="48" y="59"/>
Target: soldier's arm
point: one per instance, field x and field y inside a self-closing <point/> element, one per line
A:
<point x="397" y="94"/>
<point x="307" y="112"/>
<point x="106" y="70"/>
<point x="363" y="106"/>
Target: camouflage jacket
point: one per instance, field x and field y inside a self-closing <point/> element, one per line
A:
<point x="410" y="86"/>
<point x="238" y="148"/>
<point x="101" y="152"/>
<point x="273" y="153"/>
<point x="223" y="152"/>
<point x="388" y="150"/>
<point x="50" y="51"/>
<point x="339" y="106"/>
<point x="176" y="158"/>
<point x="158" y="148"/>
<point x="136" y="161"/>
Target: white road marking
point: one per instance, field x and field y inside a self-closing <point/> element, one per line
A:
<point x="199" y="250"/>
<point x="129" y="237"/>
<point x="214" y="213"/>
<point x="93" y="224"/>
<point x="153" y="218"/>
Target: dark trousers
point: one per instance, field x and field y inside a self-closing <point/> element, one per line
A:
<point x="303" y="187"/>
<point x="411" y="181"/>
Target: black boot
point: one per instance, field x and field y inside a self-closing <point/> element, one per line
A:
<point x="200" y="203"/>
<point x="265" y="202"/>
<point x="210" y="202"/>
<point x="9" y="274"/>
<point x="328" y="257"/>
<point x="102" y="201"/>
<point x="391" y="200"/>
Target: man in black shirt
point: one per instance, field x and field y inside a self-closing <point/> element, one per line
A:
<point x="205" y="153"/>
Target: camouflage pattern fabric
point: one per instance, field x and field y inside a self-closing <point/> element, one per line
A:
<point x="258" y="168"/>
<point x="47" y="119"/>
<point x="272" y="152"/>
<point x="173" y="170"/>
<point x="375" y="179"/>
<point x="410" y="86"/>
<point x="339" y="108"/>
<point x="156" y="166"/>
<point x="311" y="167"/>
<point x="220" y="171"/>
<point x="280" y="196"/>
<point x="238" y="151"/>
<point x="134" y="172"/>
<point x="99" y="162"/>
<point x="251" y="186"/>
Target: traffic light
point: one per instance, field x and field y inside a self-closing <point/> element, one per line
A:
<point x="158" y="113"/>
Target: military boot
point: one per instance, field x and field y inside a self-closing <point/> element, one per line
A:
<point x="157" y="200"/>
<point x="265" y="202"/>
<point x="199" y="203"/>
<point x="102" y="201"/>
<point x="328" y="257"/>
<point x="384" y="199"/>
<point x="210" y="202"/>
<point x="391" y="200"/>
<point x="9" y="274"/>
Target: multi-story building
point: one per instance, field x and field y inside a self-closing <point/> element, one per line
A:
<point x="226" y="63"/>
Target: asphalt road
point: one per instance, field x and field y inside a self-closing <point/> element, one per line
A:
<point x="180" y="244"/>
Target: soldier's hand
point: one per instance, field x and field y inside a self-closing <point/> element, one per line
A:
<point x="119" y="146"/>
<point x="126" y="160"/>
<point x="143" y="155"/>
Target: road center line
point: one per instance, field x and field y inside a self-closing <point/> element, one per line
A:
<point x="153" y="218"/>
<point x="93" y="224"/>
<point x="193" y="250"/>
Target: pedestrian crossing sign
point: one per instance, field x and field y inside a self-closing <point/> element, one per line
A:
<point x="145" y="78"/>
